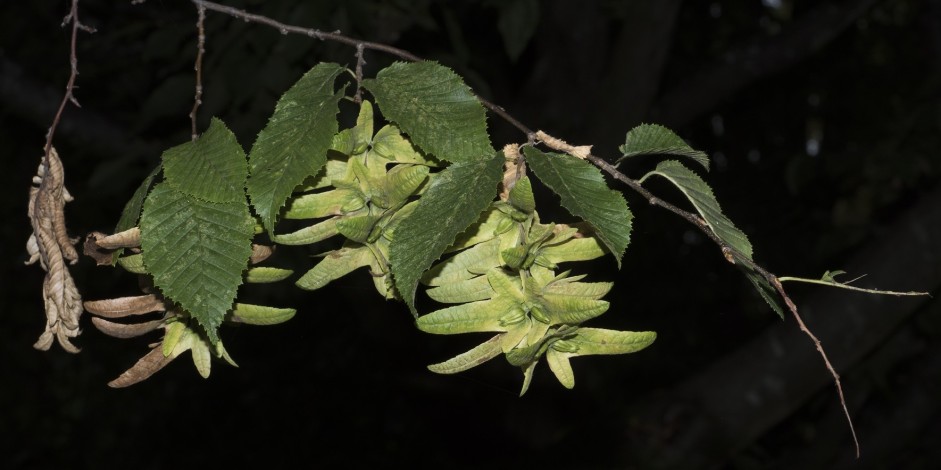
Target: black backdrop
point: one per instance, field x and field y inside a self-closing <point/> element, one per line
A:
<point x="822" y="119"/>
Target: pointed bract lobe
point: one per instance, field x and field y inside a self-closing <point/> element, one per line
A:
<point x="293" y="145"/>
<point x="435" y="108"/>
<point x="585" y="194"/>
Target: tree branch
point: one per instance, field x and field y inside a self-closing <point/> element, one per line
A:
<point x="808" y="36"/>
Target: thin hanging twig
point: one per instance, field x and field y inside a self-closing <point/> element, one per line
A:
<point x="49" y="244"/>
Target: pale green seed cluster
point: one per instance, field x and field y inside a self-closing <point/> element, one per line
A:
<point x="362" y="194"/>
<point x="504" y="279"/>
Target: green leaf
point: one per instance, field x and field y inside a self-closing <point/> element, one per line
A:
<point x="293" y="146"/>
<point x="263" y="275"/>
<point x="196" y="251"/>
<point x="261" y="315"/>
<point x="700" y="195"/>
<point x="335" y="265"/>
<point x="473" y="358"/>
<point x="591" y="290"/>
<point x="584" y="193"/>
<point x="435" y="108"/>
<point x="131" y="214"/>
<point x="213" y="167"/>
<point x="453" y="201"/>
<point x="647" y="139"/>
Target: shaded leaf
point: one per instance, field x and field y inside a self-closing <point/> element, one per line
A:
<point x="196" y="251"/>
<point x="293" y="145"/>
<point x="700" y="195"/>
<point x="584" y="193"/>
<point x="132" y="210"/>
<point x="435" y="108"/>
<point x="453" y="201"/>
<point x="647" y="139"/>
<point x="212" y="168"/>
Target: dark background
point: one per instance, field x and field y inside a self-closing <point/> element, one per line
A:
<point x="823" y="120"/>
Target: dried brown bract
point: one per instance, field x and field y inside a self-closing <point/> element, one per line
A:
<point x="51" y="246"/>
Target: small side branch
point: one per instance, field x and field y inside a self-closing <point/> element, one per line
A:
<point x="200" y="50"/>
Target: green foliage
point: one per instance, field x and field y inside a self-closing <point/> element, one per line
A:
<point x="584" y="193"/>
<point x="196" y="251"/>
<point x="653" y="139"/>
<point x="452" y="202"/>
<point x="132" y="210"/>
<point x="504" y="281"/>
<point x="211" y="168"/>
<point x="196" y="228"/>
<point x="363" y="201"/>
<point x="293" y="146"/>
<point x="700" y="195"/>
<point x="435" y="108"/>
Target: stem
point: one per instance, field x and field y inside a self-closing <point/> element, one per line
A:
<point x="847" y="286"/>
<point x="200" y="50"/>
<point x="71" y="17"/>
